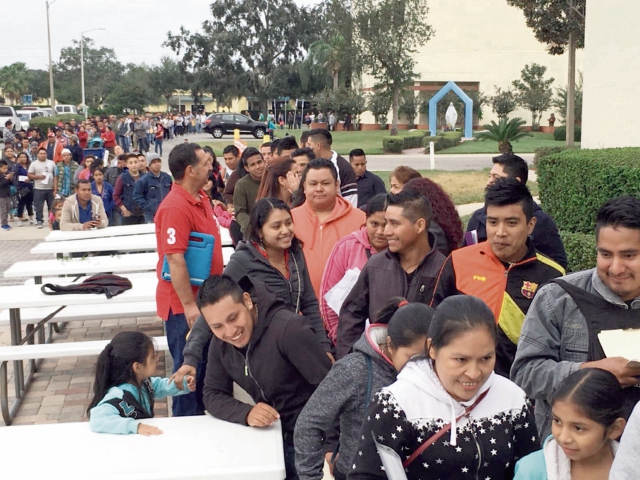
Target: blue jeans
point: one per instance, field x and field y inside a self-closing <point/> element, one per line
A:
<point x="290" y="461"/>
<point x="124" y="143"/>
<point x="40" y="197"/>
<point x="191" y="403"/>
<point x="158" y="146"/>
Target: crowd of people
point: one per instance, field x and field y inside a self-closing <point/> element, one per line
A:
<point x="370" y="324"/>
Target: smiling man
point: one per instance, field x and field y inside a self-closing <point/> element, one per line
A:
<point x="408" y="268"/>
<point x="506" y="270"/>
<point x="270" y="351"/>
<point x="560" y="332"/>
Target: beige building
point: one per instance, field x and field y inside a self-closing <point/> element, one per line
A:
<point x="611" y="76"/>
<point x="479" y="44"/>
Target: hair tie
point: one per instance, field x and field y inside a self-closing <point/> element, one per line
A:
<point x="403" y="303"/>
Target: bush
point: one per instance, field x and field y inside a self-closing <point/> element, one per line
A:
<point x="393" y="145"/>
<point x="412" y="141"/>
<point x="438" y="143"/>
<point x="560" y="134"/>
<point x="575" y="183"/>
<point x="581" y="250"/>
<point x="451" y="139"/>
<point x="540" y="153"/>
<point x="45" y="123"/>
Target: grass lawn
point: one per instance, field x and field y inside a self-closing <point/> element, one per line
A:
<point x="463" y="187"/>
<point x="343" y="142"/>
<point x="524" y="145"/>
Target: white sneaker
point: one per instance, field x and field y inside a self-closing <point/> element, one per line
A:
<point x="32" y="222"/>
<point x="40" y="225"/>
<point x="20" y="223"/>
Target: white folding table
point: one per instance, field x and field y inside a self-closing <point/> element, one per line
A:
<point x="119" y="231"/>
<point x="128" y="243"/>
<point x="198" y="447"/>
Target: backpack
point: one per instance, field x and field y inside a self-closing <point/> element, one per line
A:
<point x="110" y="285"/>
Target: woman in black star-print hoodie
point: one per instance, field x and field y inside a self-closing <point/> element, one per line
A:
<point x="435" y="391"/>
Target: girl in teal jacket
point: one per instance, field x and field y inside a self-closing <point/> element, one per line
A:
<point x="124" y="388"/>
<point x="587" y="417"/>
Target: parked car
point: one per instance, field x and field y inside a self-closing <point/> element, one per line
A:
<point x="219" y="124"/>
<point x="62" y="109"/>
<point x="8" y="113"/>
<point x="27" y="115"/>
<point x="47" y="112"/>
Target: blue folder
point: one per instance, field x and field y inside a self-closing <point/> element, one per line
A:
<point x="198" y="258"/>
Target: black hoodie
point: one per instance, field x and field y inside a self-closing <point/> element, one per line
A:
<point x="282" y="366"/>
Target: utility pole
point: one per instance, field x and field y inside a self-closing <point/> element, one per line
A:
<point x="571" y="87"/>
<point x="53" y="100"/>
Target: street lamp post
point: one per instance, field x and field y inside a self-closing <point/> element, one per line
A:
<point x="53" y="100"/>
<point x="84" y="105"/>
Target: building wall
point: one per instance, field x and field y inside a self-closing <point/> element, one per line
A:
<point x="611" y="75"/>
<point x="484" y="41"/>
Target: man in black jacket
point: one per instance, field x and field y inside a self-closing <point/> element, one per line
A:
<point x="408" y="268"/>
<point x="545" y="234"/>
<point x="269" y="351"/>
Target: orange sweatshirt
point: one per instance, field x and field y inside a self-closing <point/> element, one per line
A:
<point x="318" y="239"/>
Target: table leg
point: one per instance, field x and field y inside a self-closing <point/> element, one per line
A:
<point x="30" y="341"/>
<point x="16" y="339"/>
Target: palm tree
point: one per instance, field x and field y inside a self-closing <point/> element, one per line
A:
<point x="504" y="132"/>
<point x="329" y="56"/>
<point x="14" y="80"/>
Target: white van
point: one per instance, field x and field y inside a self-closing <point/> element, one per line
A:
<point x="61" y="109"/>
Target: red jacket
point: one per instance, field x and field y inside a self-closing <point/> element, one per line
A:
<point x="109" y="139"/>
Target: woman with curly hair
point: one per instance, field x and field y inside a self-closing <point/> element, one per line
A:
<point x="400" y="176"/>
<point x="446" y="221"/>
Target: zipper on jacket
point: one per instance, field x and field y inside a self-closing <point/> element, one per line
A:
<point x="475" y="439"/>
<point x="247" y="372"/>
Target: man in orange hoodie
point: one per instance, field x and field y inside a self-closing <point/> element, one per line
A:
<point x="324" y="217"/>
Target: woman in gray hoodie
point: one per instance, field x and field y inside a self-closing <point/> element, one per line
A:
<point x="400" y="332"/>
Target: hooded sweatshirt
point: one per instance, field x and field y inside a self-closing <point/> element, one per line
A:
<point x="550" y="463"/>
<point x="498" y="431"/>
<point x="281" y="366"/>
<point x="318" y="239"/>
<point x="350" y="252"/>
<point x="342" y="397"/>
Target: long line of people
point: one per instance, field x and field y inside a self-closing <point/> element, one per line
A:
<point x="462" y="341"/>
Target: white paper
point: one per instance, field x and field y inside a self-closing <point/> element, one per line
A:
<point x="622" y="343"/>
<point x="336" y="296"/>
<point x="23" y="178"/>
<point x="45" y="180"/>
<point x="390" y="461"/>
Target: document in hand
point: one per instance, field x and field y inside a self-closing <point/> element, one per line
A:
<point x="390" y="461"/>
<point x="622" y="343"/>
<point x="336" y="296"/>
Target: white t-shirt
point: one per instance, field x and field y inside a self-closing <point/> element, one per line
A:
<point x="47" y="168"/>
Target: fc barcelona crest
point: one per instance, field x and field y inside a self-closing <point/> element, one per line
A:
<point x="529" y="289"/>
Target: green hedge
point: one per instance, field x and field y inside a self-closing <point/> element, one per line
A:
<point x="438" y="143"/>
<point x="575" y="183"/>
<point x="393" y="145"/>
<point x="49" y="122"/>
<point x="542" y="152"/>
<point x="560" y="134"/>
<point x="581" y="250"/>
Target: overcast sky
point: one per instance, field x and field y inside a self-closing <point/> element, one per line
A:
<point x="135" y="29"/>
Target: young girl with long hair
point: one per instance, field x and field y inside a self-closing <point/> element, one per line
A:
<point x="280" y="180"/>
<point x="587" y="420"/>
<point x="124" y="388"/>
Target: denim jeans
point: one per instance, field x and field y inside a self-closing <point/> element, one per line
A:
<point x="39" y="199"/>
<point x="177" y="330"/>
<point x="124" y="143"/>
<point x="158" y="146"/>
<point x="132" y="220"/>
<point x="290" y="461"/>
<point x="5" y="208"/>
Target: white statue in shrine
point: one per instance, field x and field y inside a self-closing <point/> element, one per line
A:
<point x="451" y="117"/>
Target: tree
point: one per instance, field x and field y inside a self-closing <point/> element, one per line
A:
<point x="14" y="80"/>
<point x="533" y="92"/>
<point x="504" y="132"/>
<point x="379" y="104"/>
<point x="248" y="40"/>
<point x="503" y="103"/>
<point x="560" y="102"/>
<point x="166" y="78"/>
<point x="38" y="84"/>
<point x="133" y="91"/>
<point x="388" y="34"/>
<point x="102" y="71"/>
<point x="328" y="57"/>
<point x="409" y="106"/>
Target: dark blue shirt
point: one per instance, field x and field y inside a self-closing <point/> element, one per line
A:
<point x="369" y="185"/>
<point x="85" y="214"/>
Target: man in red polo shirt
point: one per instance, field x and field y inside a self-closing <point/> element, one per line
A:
<point x="185" y="209"/>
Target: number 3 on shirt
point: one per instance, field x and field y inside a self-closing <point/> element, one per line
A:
<point x="171" y="233"/>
